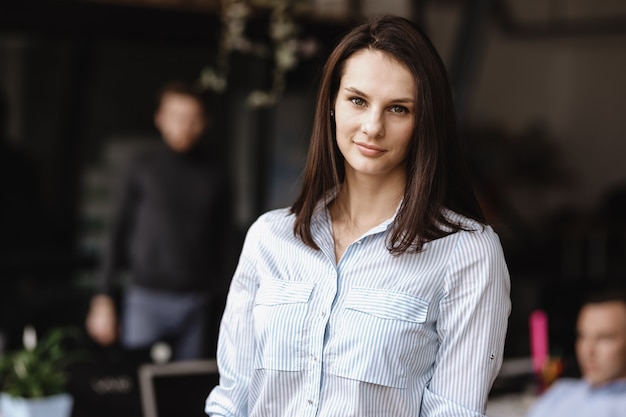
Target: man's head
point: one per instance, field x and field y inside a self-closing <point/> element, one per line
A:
<point x="181" y="116"/>
<point x="601" y="338"/>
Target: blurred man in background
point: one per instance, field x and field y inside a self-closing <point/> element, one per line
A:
<point x="170" y="229"/>
<point x="601" y="355"/>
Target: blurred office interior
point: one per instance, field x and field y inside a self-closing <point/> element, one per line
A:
<point x="540" y="92"/>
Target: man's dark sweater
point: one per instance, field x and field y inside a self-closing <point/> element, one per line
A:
<point x="171" y="223"/>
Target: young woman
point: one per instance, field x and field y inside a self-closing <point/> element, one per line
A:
<point x="381" y="291"/>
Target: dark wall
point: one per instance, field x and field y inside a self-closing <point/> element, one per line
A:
<point x="82" y="78"/>
<point x="87" y="78"/>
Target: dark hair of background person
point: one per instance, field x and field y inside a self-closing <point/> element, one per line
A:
<point x="606" y="294"/>
<point x="437" y="177"/>
<point x="186" y="89"/>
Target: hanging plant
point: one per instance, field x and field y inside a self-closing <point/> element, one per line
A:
<point x="284" y="47"/>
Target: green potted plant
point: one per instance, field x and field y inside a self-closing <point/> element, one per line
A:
<point x="33" y="379"/>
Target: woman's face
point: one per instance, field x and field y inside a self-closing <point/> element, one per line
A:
<point x="374" y="114"/>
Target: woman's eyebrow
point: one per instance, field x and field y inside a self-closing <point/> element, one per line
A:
<point x="358" y="92"/>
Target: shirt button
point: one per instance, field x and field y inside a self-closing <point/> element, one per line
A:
<point x="359" y="242"/>
<point x="310" y="402"/>
<point x="315" y="358"/>
<point x="323" y="314"/>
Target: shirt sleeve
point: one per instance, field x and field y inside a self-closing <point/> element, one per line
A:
<point x="472" y="324"/>
<point x="235" y="350"/>
<point x="115" y="253"/>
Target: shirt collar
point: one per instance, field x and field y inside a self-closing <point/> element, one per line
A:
<point x="321" y="215"/>
<point x="613" y="387"/>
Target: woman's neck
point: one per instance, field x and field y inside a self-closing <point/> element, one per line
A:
<point x="364" y="210"/>
<point x="368" y="200"/>
<point x="360" y="206"/>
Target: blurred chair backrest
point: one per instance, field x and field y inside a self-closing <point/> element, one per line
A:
<point x="178" y="388"/>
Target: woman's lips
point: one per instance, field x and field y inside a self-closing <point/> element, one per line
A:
<point x="368" y="149"/>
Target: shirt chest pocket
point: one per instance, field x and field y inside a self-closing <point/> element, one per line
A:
<point x="381" y="337"/>
<point x="279" y="312"/>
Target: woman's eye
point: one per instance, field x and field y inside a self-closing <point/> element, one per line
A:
<point x="399" y="109"/>
<point x="357" y="101"/>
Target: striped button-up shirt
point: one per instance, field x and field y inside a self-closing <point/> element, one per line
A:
<point x="374" y="335"/>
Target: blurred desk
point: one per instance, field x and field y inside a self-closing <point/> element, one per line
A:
<point x="511" y="405"/>
<point x="513" y="390"/>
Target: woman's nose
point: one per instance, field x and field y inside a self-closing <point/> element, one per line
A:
<point x="373" y="124"/>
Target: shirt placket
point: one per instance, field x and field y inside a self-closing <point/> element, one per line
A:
<point x="327" y="291"/>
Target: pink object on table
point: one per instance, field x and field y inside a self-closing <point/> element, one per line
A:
<point x="538" y="339"/>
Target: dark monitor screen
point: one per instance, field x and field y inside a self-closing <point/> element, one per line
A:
<point x="177" y="389"/>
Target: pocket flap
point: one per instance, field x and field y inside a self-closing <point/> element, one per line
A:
<point x="387" y="304"/>
<point x="274" y="291"/>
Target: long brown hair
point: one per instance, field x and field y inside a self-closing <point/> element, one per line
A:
<point x="437" y="178"/>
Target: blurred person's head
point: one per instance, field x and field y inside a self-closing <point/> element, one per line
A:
<point x="601" y="338"/>
<point x="181" y="116"/>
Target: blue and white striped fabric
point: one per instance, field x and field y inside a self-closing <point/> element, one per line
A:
<point x="376" y="335"/>
<point x="576" y="398"/>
